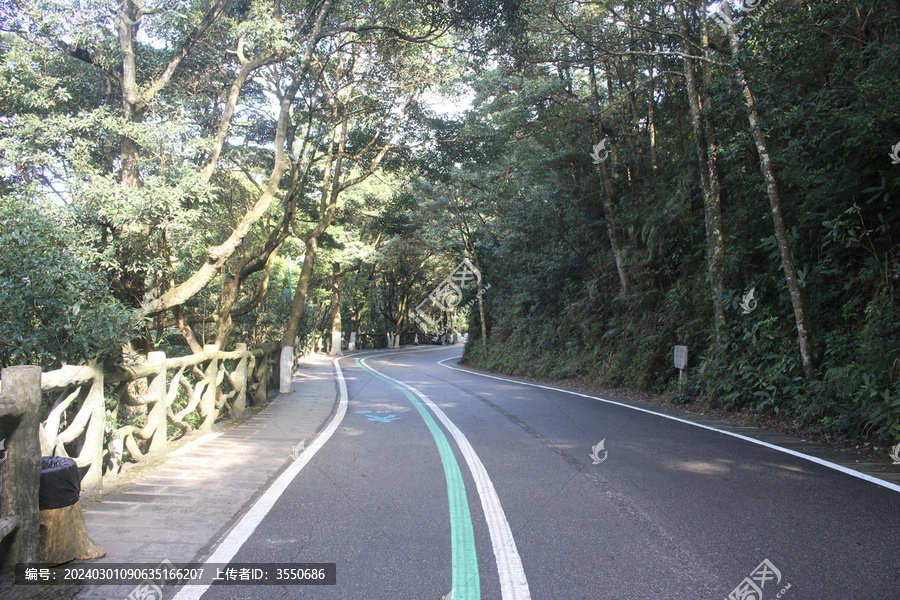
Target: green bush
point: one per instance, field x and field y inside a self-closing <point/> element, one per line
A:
<point x="55" y="307"/>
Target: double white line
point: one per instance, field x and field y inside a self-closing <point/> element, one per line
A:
<point x="513" y="584"/>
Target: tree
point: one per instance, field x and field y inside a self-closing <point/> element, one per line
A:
<point x="53" y="299"/>
<point x="768" y="173"/>
<point x="347" y="100"/>
<point x="145" y="196"/>
<point x="707" y="159"/>
<point x="368" y="85"/>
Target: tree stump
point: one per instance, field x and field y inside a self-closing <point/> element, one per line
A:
<point x="64" y="536"/>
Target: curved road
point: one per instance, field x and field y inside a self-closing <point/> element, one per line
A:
<point x="431" y="478"/>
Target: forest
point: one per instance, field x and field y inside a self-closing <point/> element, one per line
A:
<point x="622" y="176"/>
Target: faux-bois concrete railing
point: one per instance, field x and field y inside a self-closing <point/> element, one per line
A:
<point x="83" y="421"/>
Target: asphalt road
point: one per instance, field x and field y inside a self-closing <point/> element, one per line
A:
<point x="437" y="479"/>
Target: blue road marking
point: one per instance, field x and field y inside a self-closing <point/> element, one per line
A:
<point x="388" y="418"/>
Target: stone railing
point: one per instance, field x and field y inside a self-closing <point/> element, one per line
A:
<point x="161" y="399"/>
<point x="201" y="389"/>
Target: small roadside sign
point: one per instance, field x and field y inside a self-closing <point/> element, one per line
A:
<point x="680" y="357"/>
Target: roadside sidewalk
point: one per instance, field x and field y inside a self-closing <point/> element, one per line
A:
<point x="180" y="509"/>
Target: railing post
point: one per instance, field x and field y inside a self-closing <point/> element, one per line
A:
<point x="92" y="451"/>
<point x="211" y="375"/>
<point x="157" y="389"/>
<point x="240" y="379"/>
<point x="20" y="472"/>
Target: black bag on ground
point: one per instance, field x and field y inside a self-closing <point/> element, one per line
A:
<point x="60" y="482"/>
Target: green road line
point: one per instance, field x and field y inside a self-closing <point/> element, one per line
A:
<point x="465" y="576"/>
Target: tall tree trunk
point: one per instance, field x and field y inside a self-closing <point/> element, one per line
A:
<point x="709" y="182"/>
<point x="127" y="23"/>
<point x="484" y="341"/>
<point x="609" y="195"/>
<point x="309" y="263"/>
<point x="329" y="187"/>
<point x="401" y="317"/>
<point x="231" y="287"/>
<point x="356" y="309"/>
<point x="336" y="309"/>
<point x="359" y="305"/>
<point x="714" y="206"/>
<point x="186" y="331"/>
<point x="480" y="292"/>
<point x="765" y="165"/>
<point x="651" y="116"/>
<point x="232" y="282"/>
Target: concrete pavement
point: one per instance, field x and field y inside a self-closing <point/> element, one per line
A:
<point x="181" y="508"/>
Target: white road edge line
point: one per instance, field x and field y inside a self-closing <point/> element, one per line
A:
<point x="513" y="584"/>
<point x="249" y="522"/>
<point x="814" y="459"/>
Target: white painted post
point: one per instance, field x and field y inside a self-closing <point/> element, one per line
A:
<point x="287" y="370"/>
<point x="336" y="343"/>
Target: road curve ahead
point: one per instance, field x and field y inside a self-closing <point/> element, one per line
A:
<point x="431" y="479"/>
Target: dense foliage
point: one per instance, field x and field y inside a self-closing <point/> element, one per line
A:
<point x="54" y="303"/>
<point x="824" y="77"/>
